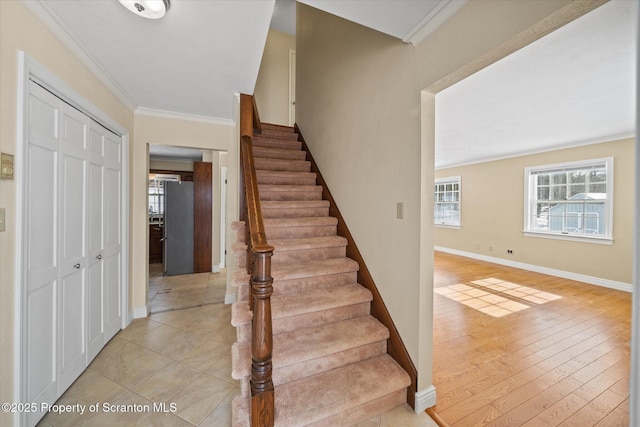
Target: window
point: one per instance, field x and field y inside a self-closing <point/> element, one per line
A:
<point x="156" y="195"/>
<point x="446" y="202"/>
<point x="571" y="200"/>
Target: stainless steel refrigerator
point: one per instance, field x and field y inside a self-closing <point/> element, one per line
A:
<point x="178" y="227"/>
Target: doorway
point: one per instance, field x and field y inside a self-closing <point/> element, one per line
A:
<point x="204" y="281"/>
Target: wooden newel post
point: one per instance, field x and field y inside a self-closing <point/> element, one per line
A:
<point x="262" y="394"/>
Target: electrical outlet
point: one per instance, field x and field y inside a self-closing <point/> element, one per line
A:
<point x="2" y="219"/>
<point x="400" y="210"/>
<point x="509" y="251"/>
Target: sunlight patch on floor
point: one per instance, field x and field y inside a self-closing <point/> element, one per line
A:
<point x="495" y="297"/>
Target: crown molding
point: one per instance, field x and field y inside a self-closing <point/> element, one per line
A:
<point x="573" y="144"/>
<point x="150" y="112"/>
<point x="60" y="30"/>
<point x="442" y="12"/>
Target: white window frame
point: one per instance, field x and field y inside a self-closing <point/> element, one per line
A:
<point x="530" y="202"/>
<point x="449" y="180"/>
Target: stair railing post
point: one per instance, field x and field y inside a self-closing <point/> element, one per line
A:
<point x="262" y="392"/>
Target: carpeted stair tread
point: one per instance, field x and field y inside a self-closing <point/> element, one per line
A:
<point x="299" y="222"/>
<point x="325" y="267"/>
<point x="278" y="153"/>
<point x="294" y="204"/>
<point x="286" y="245"/>
<point x="312" y="399"/>
<point x="289" y="192"/>
<point x="263" y="163"/>
<point x="299" y="250"/>
<point x="295" y="304"/>
<point x="310" y="344"/>
<point x="268" y="177"/>
<point x="271" y="142"/>
<point x="281" y="245"/>
<point x="314" y="268"/>
<point x="297" y="208"/>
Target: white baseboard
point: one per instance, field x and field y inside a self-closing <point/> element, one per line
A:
<point x="425" y="399"/>
<point x="141" y="312"/>
<point x="215" y="269"/>
<point x="606" y="283"/>
<point x="229" y="298"/>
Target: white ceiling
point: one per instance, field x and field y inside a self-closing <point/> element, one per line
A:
<point x="573" y="87"/>
<point x="191" y="61"/>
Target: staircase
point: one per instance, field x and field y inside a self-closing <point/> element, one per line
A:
<point x="330" y="362"/>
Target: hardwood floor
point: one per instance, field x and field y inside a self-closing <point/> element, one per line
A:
<point x="561" y="362"/>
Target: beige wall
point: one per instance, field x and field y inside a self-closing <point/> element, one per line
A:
<point x="370" y="129"/>
<point x="171" y="165"/>
<point x="179" y="133"/>
<point x="20" y="29"/>
<point x="272" y="86"/>
<point x="492" y="215"/>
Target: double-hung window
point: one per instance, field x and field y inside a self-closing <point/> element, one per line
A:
<point x="571" y="200"/>
<point x="446" y="203"/>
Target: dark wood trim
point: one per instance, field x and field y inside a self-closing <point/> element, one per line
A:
<point x="395" y="346"/>
<point x="202" y="211"/>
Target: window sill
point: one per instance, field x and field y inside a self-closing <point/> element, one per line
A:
<point x="600" y="240"/>
<point x="456" y="227"/>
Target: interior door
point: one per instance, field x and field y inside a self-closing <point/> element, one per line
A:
<point x="178" y="227"/>
<point x="41" y="224"/>
<point x="72" y="245"/>
<point x="112" y="235"/>
<point x="73" y="260"/>
<point x="95" y="241"/>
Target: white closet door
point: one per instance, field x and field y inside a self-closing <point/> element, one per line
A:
<point x="112" y="235"/>
<point x="41" y="252"/>
<point x="95" y="242"/>
<point x="73" y="257"/>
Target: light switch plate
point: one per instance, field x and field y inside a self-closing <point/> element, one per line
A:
<point x="2" y="227"/>
<point x="400" y="210"/>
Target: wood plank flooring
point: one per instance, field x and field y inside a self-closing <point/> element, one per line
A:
<point x="561" y="363"/>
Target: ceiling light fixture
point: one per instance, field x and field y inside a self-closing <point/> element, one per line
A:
<point x="150" y="9"/>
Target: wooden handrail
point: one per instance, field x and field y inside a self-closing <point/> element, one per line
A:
<point x="259" y="254"/>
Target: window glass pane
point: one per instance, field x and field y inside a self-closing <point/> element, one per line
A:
<point x="543" y="179"/>
<point x="577" y="177"/>
<point x="558" y="192"/>
<point x="598" y="175"/>
<point x="543" y="193"/>
<point x="597" y="188"/>
<point x="576" y="189"/>
<point x="559" y="178"/>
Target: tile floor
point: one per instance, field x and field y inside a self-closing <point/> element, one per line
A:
<point x="173" y="367"/>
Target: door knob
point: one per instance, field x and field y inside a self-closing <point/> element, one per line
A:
<point x="99" y="257"/>
<point x="77" y="266"/>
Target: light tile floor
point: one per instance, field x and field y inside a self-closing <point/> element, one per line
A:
<point x="173" y="368"/>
